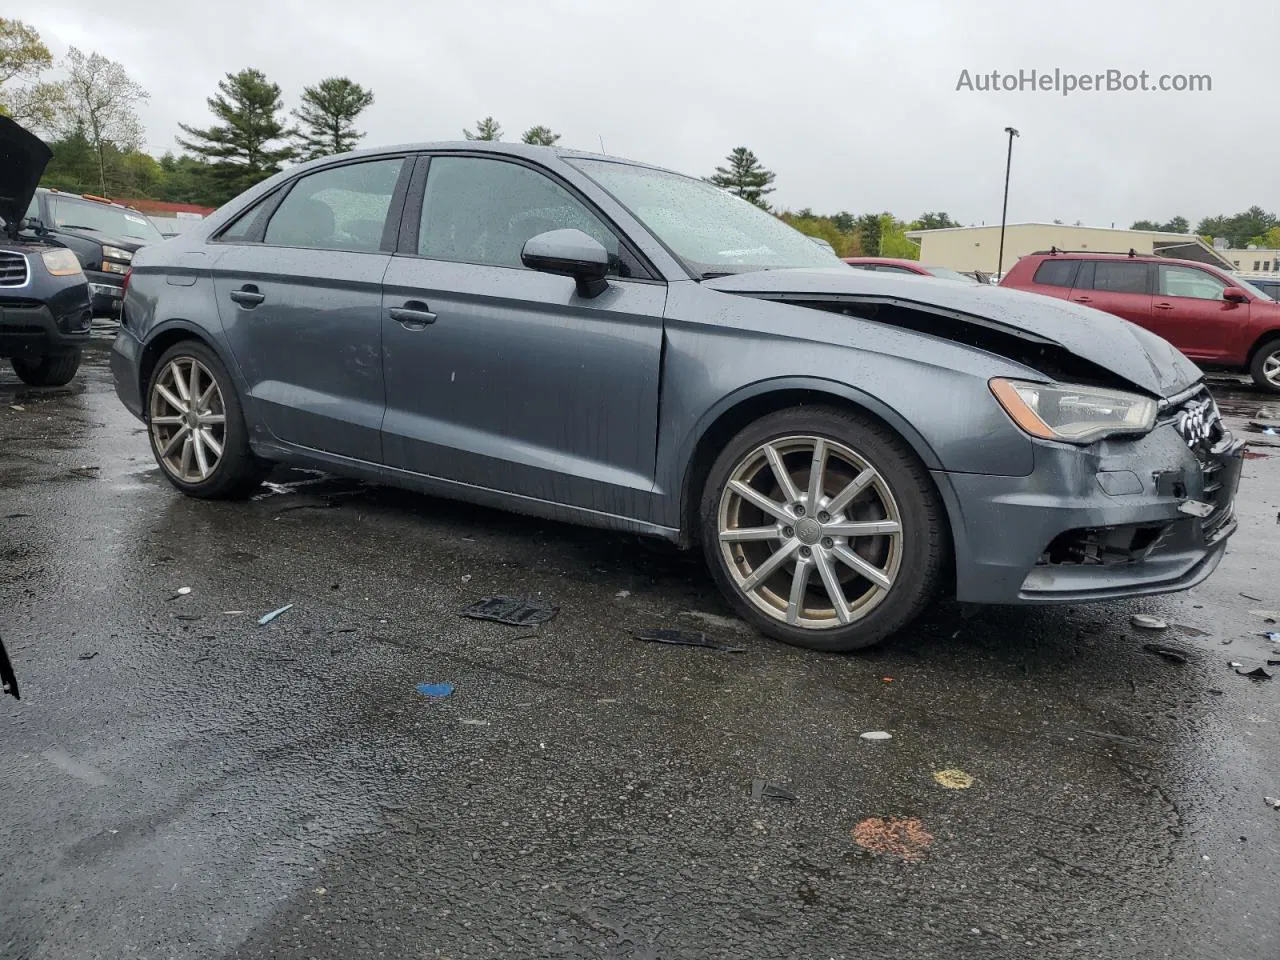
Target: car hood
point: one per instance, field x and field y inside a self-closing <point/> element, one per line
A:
<point x="132" y="244"/>
<point x="1126" y="350"/>
<point x="23" y="157"/>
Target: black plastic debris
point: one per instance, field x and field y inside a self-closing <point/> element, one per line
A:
<point x="510" y="610"/>
<point x="87" y="656"/>
<point x="685" y="638"/>
<point x="1257" y="673"/>
<point x="1168" y="653"/>
<point x="1273" y="663"/>
<point x="762" y="790"/>
<point x="8" y="679"/>
<point x="186" y="616"/>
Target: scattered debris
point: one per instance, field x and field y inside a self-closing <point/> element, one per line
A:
<point x="186" y="616"/>
<point x="472" y="723"/>
<point x="510" y="610"/>
<point x="715" y="620"/>
<point x="1272" y="802"/>
<point x="8" y="679"/>
<point x="762" y="790"/>
<point x="622" y="594"/>
<point x="1147" y="622"/>
<point x="1168" y="653"/>
<point x="1235" y="663"/>
<point x="466" y="578"/>
<point x="1254" y="599"/>
<point x="953" y="779"/>
<point x="1273" y="663"/>
<point x="1257" y="673"/>
<point x="16" y="516"/>
<point x="886" y="679"/>
<point x="906" y="837"/>
<point x="877" y="735"/>
<point x="232" y="613"/>
<point x="87" y="656"/>
<point x="268" y="617"/>
<point x="685" y="638"/>
<point x="180" y="592"/>
<point x="606" y="700"/>
<point x="1272" y="636"/>
<point x="435" y="691"/>
<point x="18" y="407"/>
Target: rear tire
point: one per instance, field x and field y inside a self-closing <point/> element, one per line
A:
<point x="50" y="370"/>
<point x="196" y="426"/>
<point x="837" y="564"/>
<point x="1265" y="368"/>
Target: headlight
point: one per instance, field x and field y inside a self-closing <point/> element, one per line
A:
<point x="1074" y="414"/>
<point x="115" y="253"/>
<point x="61" y="262"/>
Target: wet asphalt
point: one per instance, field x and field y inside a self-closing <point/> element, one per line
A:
<point x="179" y="782"/>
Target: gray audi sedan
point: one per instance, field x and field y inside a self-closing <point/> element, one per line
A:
<point x="608" y="343"/>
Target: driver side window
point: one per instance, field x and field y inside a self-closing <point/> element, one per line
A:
<point x="483" y="211"/>
<point x="1190" y="282"/>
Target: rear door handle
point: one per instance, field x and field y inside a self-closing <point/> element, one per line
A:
<point x="1164" y="306"/>
<point x="247" y="296"/>
<point x="414" y="315"/>
<point x="1083" y="299"/>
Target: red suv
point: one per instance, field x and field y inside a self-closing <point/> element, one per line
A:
<point x="1216" y="319"/>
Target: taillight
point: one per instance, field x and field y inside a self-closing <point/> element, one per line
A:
<point x="124" y="289"/>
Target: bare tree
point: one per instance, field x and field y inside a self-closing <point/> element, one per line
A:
<point x="23" y="57"/>
<point x="101" y="105"/>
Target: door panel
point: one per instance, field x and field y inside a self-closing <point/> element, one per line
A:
<point x="310" y="351"/>
<point x="520" y="385"/>
<point x="1117" y="286"/>
<point x="1190" y="313"/>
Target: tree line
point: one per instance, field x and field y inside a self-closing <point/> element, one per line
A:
<point x="1253" y="227"/>
<point x="89" y="114"/>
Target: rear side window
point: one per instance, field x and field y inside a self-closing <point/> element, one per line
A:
<point x="342" y="208"/>
<point x="1056" y="273"/>
<point x="1119" y="276"/>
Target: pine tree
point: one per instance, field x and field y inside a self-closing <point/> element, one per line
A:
<point x="540" y="136"/>
<point x="327" y="116"/>
<point x="745" y="176"/>
<point x="248" y="145"/>
<point x="486" y="129"/>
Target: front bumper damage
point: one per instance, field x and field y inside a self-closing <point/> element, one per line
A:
<point x="1118" y="519"/>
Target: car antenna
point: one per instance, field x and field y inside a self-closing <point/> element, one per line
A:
<point x="601" y="138"/>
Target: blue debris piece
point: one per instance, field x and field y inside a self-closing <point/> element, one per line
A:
<point x="1272" y="636"/>
<point x="268" y="617"/>
<point x="435" y="691"/>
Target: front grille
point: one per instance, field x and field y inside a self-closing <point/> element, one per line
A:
<point x="1198" y="421"/>
<point x="13" y="269"/>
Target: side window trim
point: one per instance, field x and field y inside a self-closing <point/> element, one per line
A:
<point x="265" y="208"/>
<point x="412" y="220"/>
<point x="1183" y="296"/>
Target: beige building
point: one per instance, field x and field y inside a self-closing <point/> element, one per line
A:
<point x="1253" y="261"/>
<point x="978" y="248"/>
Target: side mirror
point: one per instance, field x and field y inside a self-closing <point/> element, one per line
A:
<point x="1235" y="295"/>
<point x="32" y="223"/>
<point x="569" y="253"/>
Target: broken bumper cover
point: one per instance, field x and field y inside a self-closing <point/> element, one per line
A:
<point x="1114" y="520"/>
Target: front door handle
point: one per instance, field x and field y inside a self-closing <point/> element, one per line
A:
<point x="247" y="296"/>
<point x="1164" y="306"/>
<point x="414" y="315"/>
<point x="1083" y="299"/>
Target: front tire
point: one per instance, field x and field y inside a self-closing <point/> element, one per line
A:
<point x="823" y="529"/>
<point x="196" y="426"/>
<point x="50" y="370"/>
<point x="1265" y="368"/>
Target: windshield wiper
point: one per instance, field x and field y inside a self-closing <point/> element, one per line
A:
<point x="79" y="226"/>
<point x="715" y="274"/>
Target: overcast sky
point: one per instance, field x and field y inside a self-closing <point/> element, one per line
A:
<point x="853" y="103"/>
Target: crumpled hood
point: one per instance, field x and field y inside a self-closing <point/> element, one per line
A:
<point x="1137" y="355"/>
<point x="23" y="157"/>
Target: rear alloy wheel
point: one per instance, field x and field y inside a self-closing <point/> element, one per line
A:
<point x="50" y="370"/>
<point x="823" y="529"/>
<point x="1265" y="368"/>
<point x="196" y="427"/>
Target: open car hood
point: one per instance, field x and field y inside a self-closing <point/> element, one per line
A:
<point x="23" y="157"/>
<point x="1122" y="348"/>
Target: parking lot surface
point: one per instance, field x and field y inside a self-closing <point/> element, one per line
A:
<point x="181" y="782"/>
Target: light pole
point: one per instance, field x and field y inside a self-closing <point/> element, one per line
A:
<point x="1005" y="208"/>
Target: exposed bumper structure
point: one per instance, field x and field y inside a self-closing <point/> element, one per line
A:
<point x="1118" y="519"/>
<point x="106" y="291"/>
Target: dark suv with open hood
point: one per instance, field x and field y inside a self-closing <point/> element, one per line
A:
<point x="44" y="297"/>
<point x="593" y="340"/>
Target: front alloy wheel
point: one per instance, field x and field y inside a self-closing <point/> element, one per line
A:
<point x="823" y="529"/>
<point x="188" y="420"/>
<point x="810" y="532"/>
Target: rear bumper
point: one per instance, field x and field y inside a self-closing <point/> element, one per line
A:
<point x="126" y="357"/>
<point x="1103" y="523"/>
<point x="33" y="329"/>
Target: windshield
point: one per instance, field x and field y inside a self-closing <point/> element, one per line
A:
<point x="711" y="230"/>
<point x="102" y="218"/>
<point x="944" y="273"/>
<point x="1249" y="288"/>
